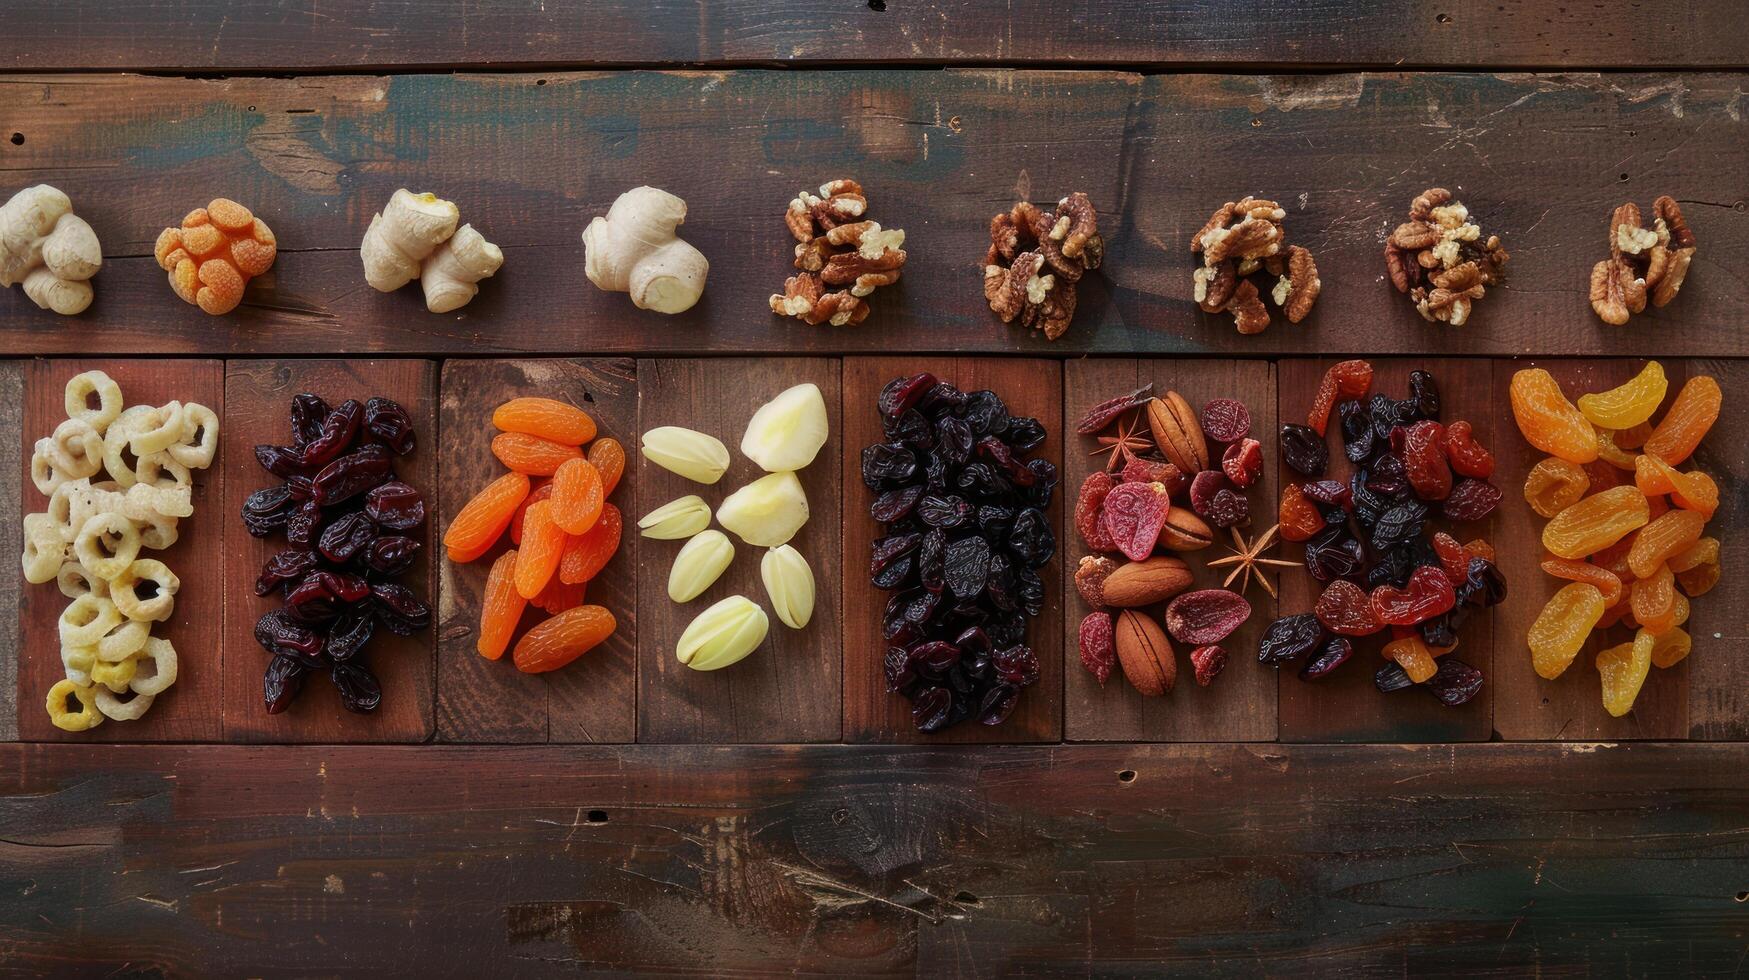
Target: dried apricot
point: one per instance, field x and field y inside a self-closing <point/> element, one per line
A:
<point x="1654" y="601"/>
<point x="1480" y="548"/>
<point x="1413" y="655"/>
<point x="1670" y="647"/>
<point x="1345" y="379"/>
<point x="543" y="542"/>
<point x="484" y="517"/>
<point x="562" y="639"/>
<point x="1605" y="581"/>
<point x="577" y="496"/>
<point x="1554" y="485"/>
<point x="532" y="454"/>
<point x="1693" y="490"/>
<point x="1548" y="420"/>
<point x="500" y="607"/>
<point x="1634" y="436"/>
<point x="1687" y="421"/>
<point x="1629" y="404"/>
<point x="547" y="419"/>
<point x="1611" y="453"/>
<point x="590" y="553"/>
<point x="1663" y="539"/>
<point x="1298" y="516"/>
<point x="559" y="596"/>
<point x="1559" y="631"/>
<point x="1702" y="552"/>
<point x="1596" y="522"/>
<point x="540" y="493"/>
<point x="1624" y="668"/>
<point x="609" y="459"/>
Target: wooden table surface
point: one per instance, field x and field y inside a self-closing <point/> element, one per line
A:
<point x="623" y="816"/>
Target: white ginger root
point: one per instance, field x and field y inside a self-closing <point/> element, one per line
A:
<point x="48" y="248"/>
<point x="452" y="274"/>
<point x="415" y="237"/>
<point x="635" y="250"/>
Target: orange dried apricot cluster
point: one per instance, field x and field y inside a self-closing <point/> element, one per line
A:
<point x="563" y="530"/>
<point x="1627" y="529"/>
<point x="215" y="253"/>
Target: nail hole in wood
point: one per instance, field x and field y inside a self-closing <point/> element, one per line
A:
<point x="17" y="139"/>
<point x="1127" y="776"/>
<point x="597" y="816"/>
<point x="966" y="898"/>
<point x="1743" y="896"/>
<point x="1443" y="18"/>
<point x="540" y="81"/>
<point x="877" y="4"/>
<point x="1624" y="176"/>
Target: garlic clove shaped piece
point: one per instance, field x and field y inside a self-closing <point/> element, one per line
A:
<point x="788" y="431"/>
<point x="790" y="584"/>
<point x="680" y="518"/>
<point x="699" y="564"/>
<point x="722" y="635"/>
<point x="694" y="455"/>
<point x="767" y="512"/>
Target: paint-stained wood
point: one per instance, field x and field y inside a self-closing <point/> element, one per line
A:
<point x="872" y="714"/>
<point x="1239" y="706"/>
<point x="192" y="710"/>
<point x="1491" y="859"/>
<point x="257" y="399"/>
<point x="594" y="699"/>
<point x="209" y="35"/>
<point x="11" y="541"/>
<point x="790" y="689"/>
<point x="1346" y="706"/>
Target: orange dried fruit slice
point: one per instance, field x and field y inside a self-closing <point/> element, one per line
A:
<point x="539" y="494"/>
<point x="609" y="458"/>
<point x="577" y="496"/>
<point x="559" y="596"/>
<point x="532" y="454"/>
<point x="500" y="607"/>
<point x="543" y="543"/>
<point x="484" y="517"/>
<point x="1687" y="421"/>
<point x="545" y="418"/>
<point x="563" y="638"/>
<point x="589" y="553"/>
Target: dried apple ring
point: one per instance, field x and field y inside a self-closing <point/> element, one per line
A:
<point x="80" y="388"/>
<point x="44" y="549"/>
<point x="107" y="544"/>
<point x="42" y="472"/>
<point x="200" y="437"/>
<point x="159" y="431"/>
<point x="146" y="501"/>
<point x="86" y="619"/>
<point x="123" y="641"/>
<point x="119" y="458"/>
<point x="163" y="471"/>
<point x="87" y="717"/>
<point x="115" y="708"/>
<point x="75" y="581"/>
<point x="77" y="449"/>
<point x="156" y="670"/>
<point x="125" y="591"/>
<point x="158" y="532"/>
<point x="113" y="676"/>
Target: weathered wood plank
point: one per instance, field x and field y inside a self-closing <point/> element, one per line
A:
<point x="1240" y="705"/>
<point x="595" y="698"/>
<point x="193" y="709"/>
<point x="11" y="542"/>
<point x="1491" y="859"/>
<point x="1029" y="387"/>
<point x="791" y="688"/>
<point x="257" y="399"/>
<point x="1718" y="706"/>
<point x="530" y="158"/>
<point x="207" y="35"/>
<point x="1346" y="706"/>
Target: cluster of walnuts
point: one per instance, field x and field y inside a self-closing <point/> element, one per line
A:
<point x="1241" y="238"/>
<point x="838" y="247"/>
<point x="1643" y="262"/>
<point x="1035" y="259"/>
<point x="1441" y="260"/>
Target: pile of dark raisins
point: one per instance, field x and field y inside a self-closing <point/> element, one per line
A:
<point x="347" y="520"/>
<point x="965" y="532"/>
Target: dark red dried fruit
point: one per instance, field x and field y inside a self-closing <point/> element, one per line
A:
<point x="1303" y="449"/>
<point x="1344" y="608"/>
<point x="1209" y="661"/>
<point x="1455" y="682"/>
<point x="1243" y="462"/>
<point x="1098" y="652"/>
<point x="1132" y="516"/>
<point x="1346" y="379"/>
<point x="1110" y="410"/>
<point x="1428" y="594"/>
<point x="388" y="424"/>
<point x="1203" y="488"/>
<point x="1333" y="654"/>
<point x="395" y="505"/>
<point x="1087" y="511"/>
<point x="1140" y="470"/>
<point x="351" y="475"/>
<point x="290" y="565"/>
<point x="1453" y="559"/>
<point x="1299" y="519"/>
<point x="1422" y="448"/>
<point x="280" y="686"/>
<point x="307" y="415"/>
<point x="1471" y="500"/>
<point x="338" y="431"/>
<point x="1226" y="420"/>
<point x="1206" y="616"/>
<point x="1090" y="576"/>
<point x="1290" y="638"/>
<point x="1468" y="457"/>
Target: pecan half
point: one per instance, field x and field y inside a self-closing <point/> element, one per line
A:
<point x="1303" y="285"/>
<point x="1440" y="259"/>
<point x="838" y="246"/>
<point x="1035" y="259"/>
<point x="1243" y="238"/>
<point x="1644" y="263"/>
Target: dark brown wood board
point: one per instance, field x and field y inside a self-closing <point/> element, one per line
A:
<point x="1239" y="706"/>
<point x="1346" y="706"/>
<point x="192" y="710"/>
<point x="257" y="399"/>
<point x="1718" y="707"/>
<point x="1570" y="707"/>
<point x="12" y="459"/>
<point x="1059" y="860"/>
<point x="530" y="158"/>
<point x="210" y="36"/>
<point x="594" y="699"/>
<point x="790" y="689"/>
<point x="871" y="713"/>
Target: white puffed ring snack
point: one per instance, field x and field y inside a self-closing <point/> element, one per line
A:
<point x="124" y="591"/>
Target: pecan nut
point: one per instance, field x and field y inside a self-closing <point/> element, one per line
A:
<point x="1440" y="259"/>
<point x="1145" y="654"/>
<point x="1241" y="238"/>
<point x="837" y="246"/>
<point x="1035" y="259"/>
<point x="1644" y="263"/>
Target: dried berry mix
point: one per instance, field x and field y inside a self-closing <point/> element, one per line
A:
<point x="1370" y="539"/>
<point x="351" y="525"/>
<point x="962" y="562"/>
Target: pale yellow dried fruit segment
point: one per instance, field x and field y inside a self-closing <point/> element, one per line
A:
<point x="723" y="635"/>
<point x="1624" y="668"/>
<point x="767" y="512"/>
<point x="86" y="717"/>
<point x="694" y="455"/>
<point x="699" y="564"/>
<point x="788" y="431"/>
<point x="676" y="519"/>
<point x="789" y="582"/>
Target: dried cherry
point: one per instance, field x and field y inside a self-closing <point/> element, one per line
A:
<point x="1303" y="449"/>
<point x="1226" y="420"/>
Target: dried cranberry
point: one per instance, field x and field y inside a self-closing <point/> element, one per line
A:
<point x="390" y="555"/>
<point x="1208" y="661"/>
<point x="358" y="687"/>
<point x="1471" y="500"/>
<point x="1226" y="420"/>
<point x="266" y="510"/>
<point x="1243" y="462"/>
<point x="345" y="537"/>
<point x="399" y="609"/>
<point x="1333" y="654"/>
<point x="281" y="461"/>
<point x="307" y="413"/>
<point x="1132" y="516"/>
<point x="350" y="475"/>
<point x="280" y="686"/>
<point x="348" y="635"/>
<point x="1206" y="616"/>
<point x="286" y="566"/>
<point x="1098" y="652"/>
<point x="894" y="505"/>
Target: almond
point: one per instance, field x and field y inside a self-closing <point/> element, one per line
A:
<point x="1184" y="531"/>
<point x="1177" y="432"/>
<point x="1146" y="654"/>
<point x="1140" y="583"/>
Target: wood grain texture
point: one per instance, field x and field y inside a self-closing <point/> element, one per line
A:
<point x="791" y="688"/>
<point x="257" y="399"/>
<point x="12" y="460"/>
<point x="1497" y="860"/>
<point x="1697" y="695"/>
<point x="1239" y="706"/>
<point x="207" y="35"/>
<point x="871" y="714"/>
<point x="1346" y="706"/>
<point x="192" y="710"/>
<point x="531" y="157"/>
<point x="594" y="699"/>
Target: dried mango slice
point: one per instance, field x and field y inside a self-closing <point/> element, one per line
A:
<point x="1663" y="539"/>
<point x="1554" y="484"/>
<point x="1687" y="421"/>
<point x="1596" y="522"/>
<point x="1654" y="601"/>
<point x="500" y="607"/>
<point x="545" y="418"/>
<point x="1629" y="404"/>
<point x="1606" y="581"/>
<point x="1669" y="649"/>
<point x="1548" y="420"/>
<point x="1561" y="628"/>
<point x="1624" y="668"/>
